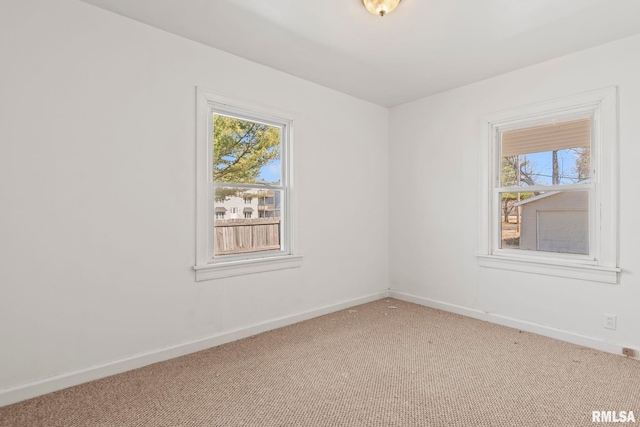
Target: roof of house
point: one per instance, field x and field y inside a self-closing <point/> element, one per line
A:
<point x="536" y="198"/>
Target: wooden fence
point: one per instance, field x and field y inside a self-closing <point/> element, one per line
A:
<point x="236" y="236"/>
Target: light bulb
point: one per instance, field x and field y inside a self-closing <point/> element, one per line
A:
<point x="380" y="7"/>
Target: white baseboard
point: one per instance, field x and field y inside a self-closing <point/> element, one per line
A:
<point x="47" y="385"/>
<point x="510" y="322"/>
<point x="58" y="382"/>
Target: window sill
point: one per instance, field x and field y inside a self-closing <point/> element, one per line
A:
<point x="243" y="267"/>
<point x="552" y="268"/>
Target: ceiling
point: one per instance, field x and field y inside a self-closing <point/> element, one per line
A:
<point x="422" y="48"/>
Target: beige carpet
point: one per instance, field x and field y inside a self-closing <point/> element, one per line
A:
<point x="372" y="365"/>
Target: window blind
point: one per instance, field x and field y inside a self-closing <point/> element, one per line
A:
<point x="551" y="137"/>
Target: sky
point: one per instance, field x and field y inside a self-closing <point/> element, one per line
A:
<point x="271" y="172"/>
<point x="542" y="164"/>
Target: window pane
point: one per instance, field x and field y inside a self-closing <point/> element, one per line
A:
<point x="552" y="154"/>
<point x="245" y="151"/>
<point x="246" y="220"/>
<point x="555" y="221"/>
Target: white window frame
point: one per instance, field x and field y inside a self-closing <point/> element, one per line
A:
<point x="207" y="265"/>
<point x="601" y="264"/>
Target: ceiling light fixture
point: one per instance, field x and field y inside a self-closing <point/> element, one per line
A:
<point x="380" y="7"/>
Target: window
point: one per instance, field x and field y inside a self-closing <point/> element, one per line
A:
<point x="545" y="185"/>
<point x="220" y="212"/>
<point x="244" y="153"/>
<point x="549" y="188"/>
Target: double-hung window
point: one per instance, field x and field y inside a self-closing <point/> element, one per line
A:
<point x="549" y="188"/>
<point x="244" y="159"/>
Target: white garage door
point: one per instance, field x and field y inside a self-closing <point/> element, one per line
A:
<point x="563" y="231"/>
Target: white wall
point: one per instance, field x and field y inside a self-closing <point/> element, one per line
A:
<point x="97" y="196"/>
<point x="434" y="164"/>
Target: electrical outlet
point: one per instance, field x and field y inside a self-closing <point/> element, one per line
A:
<point x="610" y="321"/>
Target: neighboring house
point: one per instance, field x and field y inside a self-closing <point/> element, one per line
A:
<point x="269" y="205"/>
<point x="234" y="207"/>
<point x="555" y="222"/>
<point x="251" y="204"/>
